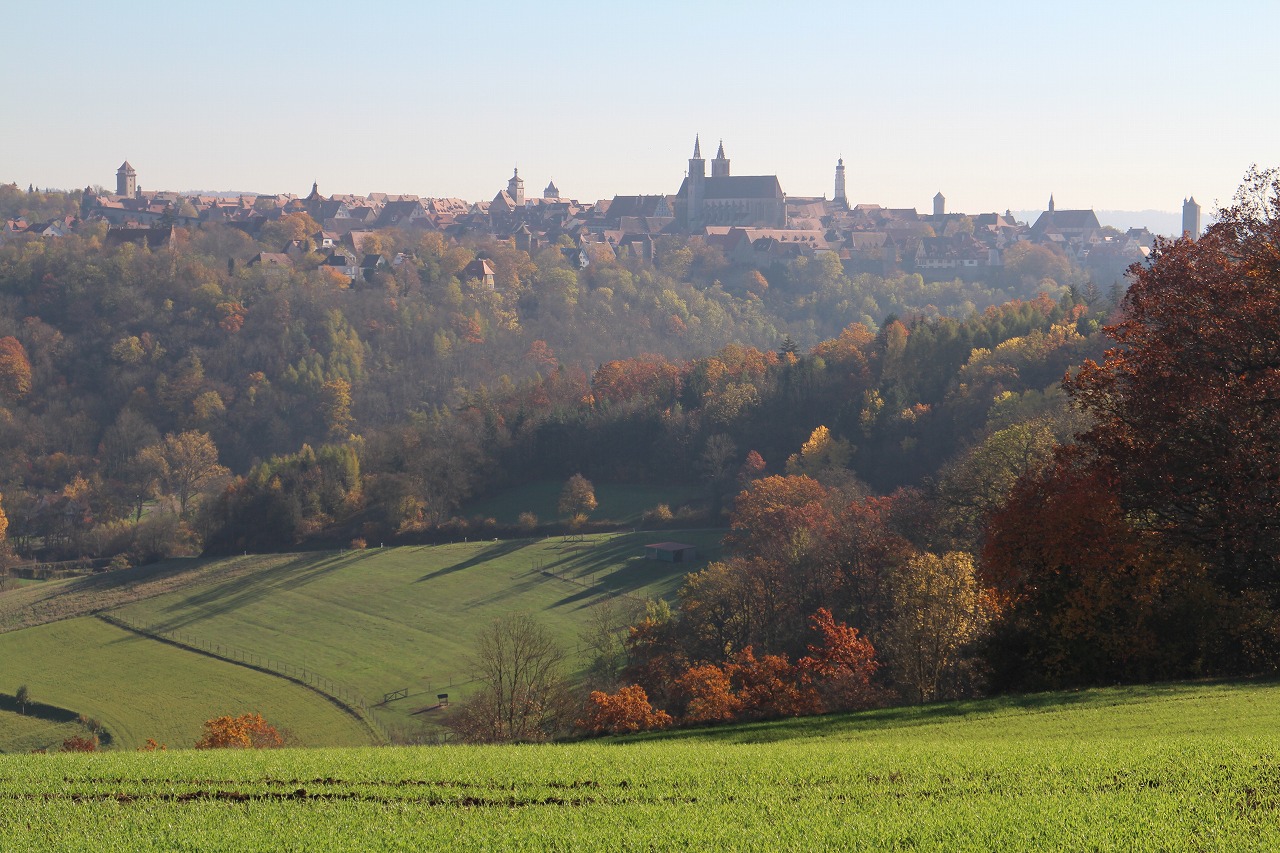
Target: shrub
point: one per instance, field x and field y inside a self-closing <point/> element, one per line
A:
<point x="248" y="731"/>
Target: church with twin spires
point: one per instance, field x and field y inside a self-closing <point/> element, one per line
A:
<point x="746" y="201"/>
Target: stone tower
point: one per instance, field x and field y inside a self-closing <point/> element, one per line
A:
<point x="551" y="191"/>
<point x="840" y="197"/>
<point x="720" y="165"/>
<point x="1190" y="218"/>
<point x="1051" y="202"/>
<point x="697" y="184"/>
<point x="939" y="204"/>
<point x="515" y="188"/>
<point x="126" y="180"/>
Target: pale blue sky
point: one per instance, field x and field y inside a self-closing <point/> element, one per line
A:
<point x="1105" y="104"/>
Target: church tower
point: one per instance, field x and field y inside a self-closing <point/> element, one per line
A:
<point x="1190" y="218"/>
<point x="126" y="180"/>
<point x="720" y="165"/>
<point x="697" y="184"/>
<point x="515" y="188"/>
<point x="939" y="204"/>
<point x="1051" y="202"/>
<point x="840" y="197"/>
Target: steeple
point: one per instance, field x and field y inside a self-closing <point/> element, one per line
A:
<point x="696" y="186"/>
<point x="939" y="204"/>
<point x="515" y="188"/>
<point x="1051" y="202"/>
<point x="720" y="165"/>
<point x="840" y="197"/>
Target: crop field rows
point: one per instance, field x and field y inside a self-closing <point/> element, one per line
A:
<point x="1194" y="767"/>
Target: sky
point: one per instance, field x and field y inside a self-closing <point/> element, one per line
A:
<point x="1106" y="105"/>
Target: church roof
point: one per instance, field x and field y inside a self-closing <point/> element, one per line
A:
<point x="1067" y="219"/>
<point x="737" y="186"/>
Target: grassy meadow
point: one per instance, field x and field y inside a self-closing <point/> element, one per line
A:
<point x="1181" y="767"/>
<point x="373" y="621"/>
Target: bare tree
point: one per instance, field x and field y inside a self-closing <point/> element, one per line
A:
<point x="523" y="695"/>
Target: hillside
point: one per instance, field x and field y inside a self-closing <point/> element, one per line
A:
<point x="1180" y="767"/>
<point x="357" y="624"/>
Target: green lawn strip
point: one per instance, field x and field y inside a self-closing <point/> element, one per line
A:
<point x="1114" y="770"/>
<point x="382" y="620"/>
<point x="621" y="503"/>
<point x="140" y="688"/>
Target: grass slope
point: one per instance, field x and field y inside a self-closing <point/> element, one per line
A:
<point x="373" y="621"/>
<point x="388" y="619"/>
<point x="140" y="688"/>
<point x="1191" y="767"/>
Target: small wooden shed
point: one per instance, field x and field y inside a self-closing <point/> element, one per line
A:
<point x="672" y="552"/>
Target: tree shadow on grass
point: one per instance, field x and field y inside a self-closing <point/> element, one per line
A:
<point x="235" y="593"/>
<point x="492" y="552"/>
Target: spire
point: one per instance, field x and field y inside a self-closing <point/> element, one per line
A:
<point x="1051" y="202"/>
<point x="697" y="147"/>
<point x="720" y="153"/>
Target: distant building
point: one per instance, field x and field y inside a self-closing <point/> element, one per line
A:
<point x="1190" y="218"/>
<point x="840" y="198"/>
<point x="671" y="552"/>
<point x="126" y="180"/>
<point x="939" y="205"/>
<point x="723" y="199"/>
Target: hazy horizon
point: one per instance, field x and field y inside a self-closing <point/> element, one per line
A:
<point x="1106" y="107"/>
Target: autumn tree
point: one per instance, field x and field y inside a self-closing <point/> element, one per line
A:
<point x="840" y="665"/>
<point x="577" y="500"/>
<point x="1085" y="595"/>
<point x="1186" y="403"/>
<point x="247" y="731"/>
<point x="184" y="464"/>
<point x="15" y="369"/>
<point x="623" y="712"/>
<point x="709" y="695"/>
<point x="823" y="453"/>
<point x="938" y="612"/>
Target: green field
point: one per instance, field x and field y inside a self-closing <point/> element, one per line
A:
<point x="371" y="622"/>
<point x="139" y="688"/>
<point x="623" y="504"/>
<point x="1192" y="767"/>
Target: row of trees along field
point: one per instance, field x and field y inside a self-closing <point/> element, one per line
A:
<point x="136" y="383"/>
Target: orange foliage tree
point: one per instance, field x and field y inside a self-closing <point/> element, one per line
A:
<point x="710" y="695"/>
<point x="76" y="743"/>
<point x="841" y="665"/>
<point x="15" y="369"/>
<point x="247" y="731"/>
<point x="626" y="711"/>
